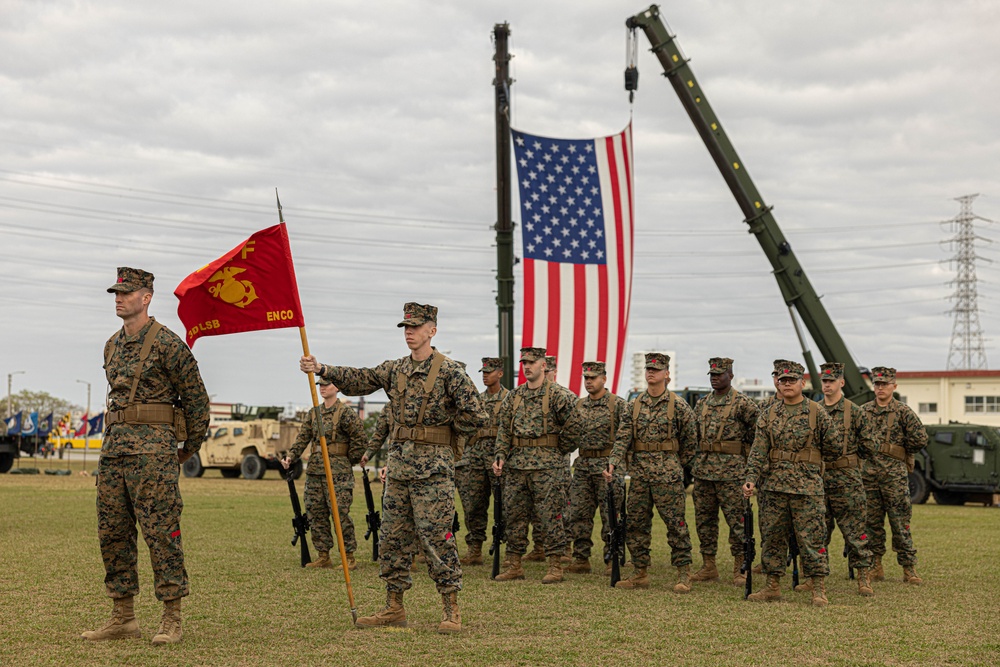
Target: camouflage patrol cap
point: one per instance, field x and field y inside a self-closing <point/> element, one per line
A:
<point x="831" y="371"/>
<point x="415" y="314"/>
<point x="657" y="361"/>
<point x="719" y="365"/>
<point x="593" y="369"/>
<point x="884" y="374"/>
<point x="532" y="353"/>
<point x="550" y="362"/>
<point x="782" y="363"/>
<point x="788" y="369"/>
<point x="322" y="381"/>
<point x="129" y="280"/>
<point x="491" y="364"/>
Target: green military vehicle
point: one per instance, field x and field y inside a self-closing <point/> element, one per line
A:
<point x="251" y="442"/>
<point x="961" y="464"/>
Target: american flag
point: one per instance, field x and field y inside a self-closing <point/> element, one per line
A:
<point x="576" y="229"/>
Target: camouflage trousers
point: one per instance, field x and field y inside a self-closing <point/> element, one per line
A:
<point x="590" y="493"/>
<point x="419" y="512"/>
<point x="846" y="505"/>
<point x="543" y="491"/>
<point x="669" y="498"/>
<point x="141" y="488"/>
<point x="779" y="514"/>
<point x="709" y="497"/>
<point x="320" y="513"/>
<point x="889" y="495"/>
<point x="474" y="489"/>
<point x="565" y="477"/>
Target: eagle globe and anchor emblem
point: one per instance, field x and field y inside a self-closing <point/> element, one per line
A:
<point x="240" y="293"/>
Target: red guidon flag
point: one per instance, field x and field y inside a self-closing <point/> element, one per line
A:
<point x="249" y="288"/>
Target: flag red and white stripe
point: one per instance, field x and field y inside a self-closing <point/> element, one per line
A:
<point x="577" y="231"/>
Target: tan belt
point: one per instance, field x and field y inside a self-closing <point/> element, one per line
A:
<point x="805" y="455"/>
<point x="895" y="451"/>
<point x="436" y="436"/>
<point x="550" y="440"/>
<point x="723" y="447"/>
<point x="849" y="461"/>
<point x="487" y="432"/>
<point x="595" y="453"/>
<point x="662" y="446"/>
<point x="142" y="413"/>
<point x="334" y="448"/>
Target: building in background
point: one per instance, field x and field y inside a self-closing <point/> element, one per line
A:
<point x="959" y="395"/>
<point x="758" y="390"/>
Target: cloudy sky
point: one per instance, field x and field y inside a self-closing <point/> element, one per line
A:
<point x="155" y="137"/>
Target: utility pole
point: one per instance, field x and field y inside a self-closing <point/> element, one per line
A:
<point x="966" y="351"/>
<point x="86" y="426"/>
<point x="10" y="382"/>
<point x="504" y="225"/>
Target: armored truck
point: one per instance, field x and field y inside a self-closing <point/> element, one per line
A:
<point x="250" y="443"/>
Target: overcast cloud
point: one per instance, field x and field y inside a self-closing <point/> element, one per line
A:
<point x="154" y="136"/>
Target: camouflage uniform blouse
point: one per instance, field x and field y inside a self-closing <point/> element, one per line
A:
<point x="596" y="418"/>
<point x="653" y="426"/>
<point x="453" y="402"/>
<point x="859" y="441"/>
<point x="740" y="426"/>
<point x="350" y="432"/>
<point x="528" y="423"/>
<point x="907" y="431"/>
<point x="169" y="374"/>
<point x="789" y="428"/>
<point x="481" y="447"/>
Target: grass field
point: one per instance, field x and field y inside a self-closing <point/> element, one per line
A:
<point x="251" y="604"/>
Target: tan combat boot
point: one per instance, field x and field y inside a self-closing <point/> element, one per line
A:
<point x="580" y="566"/>
<point x="910" y="576"/>
<point x="683" y="584"/>
<point x="819" y="591"/>
<point x="864" y="585"/>
<point x="474" y="556"/>
<point x="607" y="568"/>
<point x="567" y="557"/>
<point x="771" y="591"/>
<point x="708" y="571"/>
<point x="170" y="624"/>
<point x="514" y="569"/>
<point x="392" y="614"/>
<point x="758" y="569"/>
<point x="351" y="563"/>
<point x="877" y="573"/>
<point x="323" y="560"/>
<point x="739" y="578"/>
<point x="451" y="621"/>
<point x="121" y="625"/>
<point x="639" y="579"/>
<point x="555" y="573"/>
<point x="806" y="585"/>
<point x="537" y="554"/>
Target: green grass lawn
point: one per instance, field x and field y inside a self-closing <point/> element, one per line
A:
<point x="252" y="604"/>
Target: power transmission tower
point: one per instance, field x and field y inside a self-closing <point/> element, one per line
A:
<point x="966" y="351"/>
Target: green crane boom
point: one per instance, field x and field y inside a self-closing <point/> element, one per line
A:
<point x="795" y="287"/>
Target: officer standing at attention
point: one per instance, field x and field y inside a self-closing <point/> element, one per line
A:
<point x="659" y="432"/>
<point x="899" y="435"/>
<point x="346" y="441"/>
<point x="727" y="422"/>
<point x="600" y="414"/>
<point x="150" y="371"/>
<point x="535" y="433"/>
<point x="474" y="480"/>
<point x="433" y="401"/>
<point x="794" y="437"/>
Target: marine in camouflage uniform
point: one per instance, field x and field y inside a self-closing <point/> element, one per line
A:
<point x="600" y="414"/>
<point x="535" y="432"/>
<point x="727" y="422"/>
<point x="898" y="435"/>
<point x="473" y="474"/>
<point x="658" y="436"/>
<point x="150" y="371"/>
<point x="345" y="441"/>
<point x="433" y="402"/>
<point x="794" y="437"/>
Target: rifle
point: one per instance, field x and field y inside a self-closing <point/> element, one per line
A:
<point x="499" y="527"/>
<point x="749" y="549"/>
<point x="373" y="519"/>
<point x="300" y="522"/>
<point x="793" y="556"/>
<point x="455" y="525"/>
<point x="850" y="570"/>
<point x="617" y="529"/>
